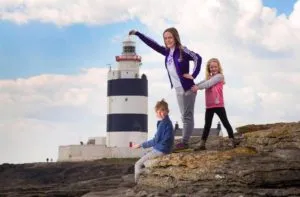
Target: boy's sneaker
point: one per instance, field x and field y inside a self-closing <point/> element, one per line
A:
<point x="181" y="146"/>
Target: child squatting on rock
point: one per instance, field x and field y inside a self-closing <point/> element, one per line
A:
<point x="162" y="143"/>
<point x="213" y="85"/>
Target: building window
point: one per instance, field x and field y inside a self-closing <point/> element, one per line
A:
<point x="129" y="49"/>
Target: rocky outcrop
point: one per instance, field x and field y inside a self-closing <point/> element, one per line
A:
<point x="73" y="179"/>
<point x="266" y="163"/>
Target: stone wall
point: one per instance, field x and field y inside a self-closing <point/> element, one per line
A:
<point x="94" y="152"/>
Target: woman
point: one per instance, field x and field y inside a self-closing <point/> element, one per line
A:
<point x="177" y="58"/>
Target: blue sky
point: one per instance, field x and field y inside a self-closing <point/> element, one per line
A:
<point x="35" y="48"/>
<point x="282" y="6"/>
<point x="54" y="57"/>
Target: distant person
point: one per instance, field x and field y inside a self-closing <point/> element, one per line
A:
<point x="213" y="86"/>
<point x="163" y="140"/>
<point x="47" y="160"/>
<point x="177" y="58"/>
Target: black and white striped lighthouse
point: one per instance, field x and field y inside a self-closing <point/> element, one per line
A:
<point x="127" y="93"/>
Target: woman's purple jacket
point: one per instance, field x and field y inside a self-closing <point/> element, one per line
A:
<point x="183" y="66"/>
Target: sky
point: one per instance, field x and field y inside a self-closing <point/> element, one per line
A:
<point x="54" y="59"/>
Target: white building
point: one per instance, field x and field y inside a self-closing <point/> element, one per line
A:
<point x="127" y="109"/>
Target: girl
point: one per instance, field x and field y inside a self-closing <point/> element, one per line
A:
<point x="213" y="86"/>
<point x="177" y="60"/>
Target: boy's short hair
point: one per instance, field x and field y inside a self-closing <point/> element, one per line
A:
<point x="162" y="105"/>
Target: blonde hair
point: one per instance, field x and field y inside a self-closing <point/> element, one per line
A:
<point x="207" y="70"/>
<point x="162" y="105"/>
<point x="176" y="36"/>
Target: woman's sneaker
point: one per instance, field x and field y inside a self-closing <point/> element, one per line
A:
<point x="181" y="146"/>
<point x="200" y="146"/>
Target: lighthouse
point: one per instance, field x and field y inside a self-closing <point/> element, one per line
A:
<point x="127" y="113"/>
<point x="127" y="100"/>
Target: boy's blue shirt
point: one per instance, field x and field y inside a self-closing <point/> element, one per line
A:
<point x="164" y="138"/>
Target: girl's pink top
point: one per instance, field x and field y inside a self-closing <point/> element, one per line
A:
<point x="214" y="96"/>
<point x="213" y="91"/>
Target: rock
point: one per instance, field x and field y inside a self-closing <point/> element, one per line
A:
<point x="179" y="195"/>
<point x="66" y="178"/>
<point x="268" y="157"/>
<point x="118" y="192"/>
<point x="130" y="192"/>
<point x="142" y="194"/>
<point x="156" y="194"/>
<point x="92" y="194"/>
<point x="128" y="178"/>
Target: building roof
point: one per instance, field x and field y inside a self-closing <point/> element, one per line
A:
<point x="198" y="132"/>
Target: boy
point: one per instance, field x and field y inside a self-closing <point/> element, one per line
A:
<point x="163" y="140"/>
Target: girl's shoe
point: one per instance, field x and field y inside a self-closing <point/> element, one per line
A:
<point x="233" y="142"/>
<point x="200" y="146"/>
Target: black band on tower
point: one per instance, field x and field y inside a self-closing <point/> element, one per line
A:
<point x="127" y="122"/>
<point x="127" y="87"/>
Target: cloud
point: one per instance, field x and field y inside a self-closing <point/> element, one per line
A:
<point x="235" y="21"/>
<point x="295" y="15"/>
<point x="65" y="12"/>
<point x="51" y="110"/>
<point x="33" y="140"/>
